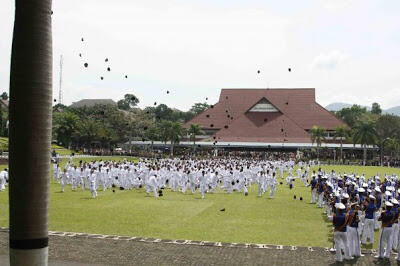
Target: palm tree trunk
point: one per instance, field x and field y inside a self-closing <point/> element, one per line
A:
<point x="365" y="155"/>
<point x="341" y="151"/>
<point x="30" y="132"/>
<point x="194" y="145"/>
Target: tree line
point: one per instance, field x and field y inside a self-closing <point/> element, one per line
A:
<point x="364" y="127"/>
<point x="105" y="126"/>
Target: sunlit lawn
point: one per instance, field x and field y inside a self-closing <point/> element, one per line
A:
<point x="250" y="219"/>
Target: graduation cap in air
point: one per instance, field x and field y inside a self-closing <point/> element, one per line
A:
<point x="198" y="145"/>
<point x="212" y="125"/>
<point x="258" y="71"/>
<point x="281" y="183"/>
<point x="289" y="69"/>
<point x="82" y="40"/>
<point x="80" y="55"/>
<point x="207" y="116"/>
<point x="226" y="126"/>
<point x="233" y="183"/>
<point x="86" y="65"/>
<point x="106" y="60"/>
<point x="108" y="69"/>
<point x="126" y="76"/>
<point x="55" y="100"/>
<point x="101" y="78"/>
<point x="211" y="106"/>
<point x="228" y="116"/>
<point x="167" y="92"/>
<point x="222" y="210"/>
<point x="155" y="103"/>
<point x="113" y="190"/>
<point x="301" y="198"/>
<point x="294" y="197"/>
<point x="206" y="99"/>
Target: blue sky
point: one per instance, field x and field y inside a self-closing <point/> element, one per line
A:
<point x="346" y="49"/>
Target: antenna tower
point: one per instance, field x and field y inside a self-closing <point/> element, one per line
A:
<point x="60" y="93"/>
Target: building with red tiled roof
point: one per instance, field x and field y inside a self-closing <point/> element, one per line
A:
<point x="265" y="116"/>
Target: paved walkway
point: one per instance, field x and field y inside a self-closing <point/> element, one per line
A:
<point x="90" y="250"/>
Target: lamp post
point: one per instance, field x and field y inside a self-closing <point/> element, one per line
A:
<point x="382" y="147"/>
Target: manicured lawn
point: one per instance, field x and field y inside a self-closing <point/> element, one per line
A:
<point x="250" y="219"/>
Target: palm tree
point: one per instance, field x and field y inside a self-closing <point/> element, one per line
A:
<point x="194" y="130"/>
<point x="30" y="132"/>
<point x="317" y="136"/>
<point x="394" y="146"/>
<point x="176" y="132"/>
<point x="341" y="132"/>
<point x="365" y="134"/>
<point x="152" y="133"/>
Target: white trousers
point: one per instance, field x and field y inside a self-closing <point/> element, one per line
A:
<point x="395" y="236"/>
<point x="353" y="240"/>
<point x="377" y="223"/>
<point x="340" y="239"/>
<point x="314" y="195"/>
<point x="320" y="200"/>
<point x="368" y="231"/>
<point x="385" y="240"/>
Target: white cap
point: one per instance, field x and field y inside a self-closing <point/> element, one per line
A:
<point x="361" y="190"/>
<point x="387" y="193"/>
<point x="398" y="190"/>
<point x="369" y="191"/>
<point x="371" y="197"/>
<point x="365" y="185"/>
<point x="394" y="201"/>
<point x="345" y="195"/>
<point x="389" y="204"/>
<point x="389" y="188"/>
<point x="340" y="206"/>
<point x="378" y="189"/>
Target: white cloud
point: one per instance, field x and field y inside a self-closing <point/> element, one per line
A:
<point x="329" y="60"/>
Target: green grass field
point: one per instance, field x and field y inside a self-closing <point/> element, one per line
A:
<point x="251" y="219"/>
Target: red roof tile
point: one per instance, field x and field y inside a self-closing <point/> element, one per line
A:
<point x="298" y="112"/>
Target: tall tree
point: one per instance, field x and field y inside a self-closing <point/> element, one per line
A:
<point x="65" y="125"/>
<point x="351" y="115"/>
<point x="4" y="96"/>
<point x="30" y="132"/>
<point x="318" y="136"/>
<point x="194" y="130"/>
<point x="376" y="109"/>
<point x="128" y="102"/>
<point x="152" y="133"/>
<point x="198" y="108"/>
<point x="365" y="134"/>
<point x="341" y="133"/>
<point x="176" y="132"/>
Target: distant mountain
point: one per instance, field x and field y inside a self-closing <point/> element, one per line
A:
<point x="339" y="106"/>
<point x="393" y="111"/>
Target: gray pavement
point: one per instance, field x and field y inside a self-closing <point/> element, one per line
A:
<point x="86" y="250"/>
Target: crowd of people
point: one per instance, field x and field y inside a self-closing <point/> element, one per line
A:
<point x="358" y="206"/>
<point x="230" y="175"/>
